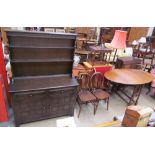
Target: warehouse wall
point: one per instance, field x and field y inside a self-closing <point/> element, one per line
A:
<point x="150" y="31"/>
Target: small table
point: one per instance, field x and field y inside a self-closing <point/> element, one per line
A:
<point x="83" y="55"/>
<point x="98" y="67"/>
<point x="133" y="77"/>
<point x="99" y="49"/>
<point x="77" y="69"/>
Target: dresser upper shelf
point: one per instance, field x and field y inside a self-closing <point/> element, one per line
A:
<point x="40" y="39"/>
<point x="40" y="60"/>
<point x="40" y="47"/>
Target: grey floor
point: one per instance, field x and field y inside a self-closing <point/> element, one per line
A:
<point x="87" y="119"/>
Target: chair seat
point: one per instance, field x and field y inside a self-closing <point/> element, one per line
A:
<point x="86" y="96"/>
<point x="101" y="94"/>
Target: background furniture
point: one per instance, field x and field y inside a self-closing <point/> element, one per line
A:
<point x="107" y="33"/>
<point x="132" y="116"/>
<point x="137" y="116"/>
<point x="118" y="42"/>
<point x="128" y="62"/>
<point x="102" y="52"/>
<point x="81" y="43"/>
<point x="84" y="55"/>
<point x="151" y="87"/>
<point x="147" y="53"/>
<point x="78" y="69"/>
<point x="133" y="77"/>
<point x="90" y="32"/>
<point x="98" y="67"/>
<point x="86" y="36"/>
<point x="42" y="86"/>
<point x="143" y="114"/>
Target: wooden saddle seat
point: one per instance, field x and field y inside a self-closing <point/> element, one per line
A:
<point x="86" y="96"/>
<point x="100" y="94"/>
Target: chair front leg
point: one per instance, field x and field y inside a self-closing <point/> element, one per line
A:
<point x="96" y="106"/>
<point x="80" y="106"/>
<point x="107" y="103"/>
<point x="79" y="110"/>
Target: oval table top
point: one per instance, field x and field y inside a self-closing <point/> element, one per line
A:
<point x="129" y="76"/>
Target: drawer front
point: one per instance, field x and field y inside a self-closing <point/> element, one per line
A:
<point x="38" y="105"/>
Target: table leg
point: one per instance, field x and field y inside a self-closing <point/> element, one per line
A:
<point x="136" y="92"/>
<point x="114" y="56"/>
<point x="92" y="57"/>
<point x="139" y="92"/>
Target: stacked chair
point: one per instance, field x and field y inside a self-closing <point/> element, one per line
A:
<point x="91" y="90"/>
<point x="146" y="53"/>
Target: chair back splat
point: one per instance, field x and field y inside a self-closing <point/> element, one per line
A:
<point x="98" y="89"/>
<point x="97" y="81"/>
<point x="84" y="81"/>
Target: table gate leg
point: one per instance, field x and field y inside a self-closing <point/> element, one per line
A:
<point x="137" y="90"/>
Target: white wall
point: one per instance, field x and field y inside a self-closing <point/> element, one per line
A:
<point x="150" y="31"/>
<point x="98" y="33"/>
<point x="17" y="28"/>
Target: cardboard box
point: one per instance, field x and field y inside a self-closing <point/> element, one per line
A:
<point x="136" y="116"/>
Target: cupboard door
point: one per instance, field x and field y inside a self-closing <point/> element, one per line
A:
<point x="39" y="105"/>
<point x="69" y="100"/>
<point x="27" y="106"/>
<point x="59" y="102"/>
<point x="51" y="103"/>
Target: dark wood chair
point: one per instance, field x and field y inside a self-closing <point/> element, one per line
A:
<point x="146" y="53"/>
<point x="100" y="56"/>
<point x="84" y="94"/>
<point x="98" y="88"/>
<point x="148" y="56"/>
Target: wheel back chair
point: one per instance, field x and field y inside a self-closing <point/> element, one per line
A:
<point x="84" y="94"/>
<point x="98" y="88"/>
<point x="91" y="90"/>
<point x="146" y="53"/>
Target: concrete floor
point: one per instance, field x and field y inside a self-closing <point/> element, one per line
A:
<point x="87" y="119"/>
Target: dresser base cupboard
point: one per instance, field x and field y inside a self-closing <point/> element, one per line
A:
<point x="49" y="99"/>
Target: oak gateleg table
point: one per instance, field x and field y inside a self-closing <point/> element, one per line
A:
<point x="128" y="77"/>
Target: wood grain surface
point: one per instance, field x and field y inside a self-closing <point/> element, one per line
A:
<point x="128" y="76"/>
